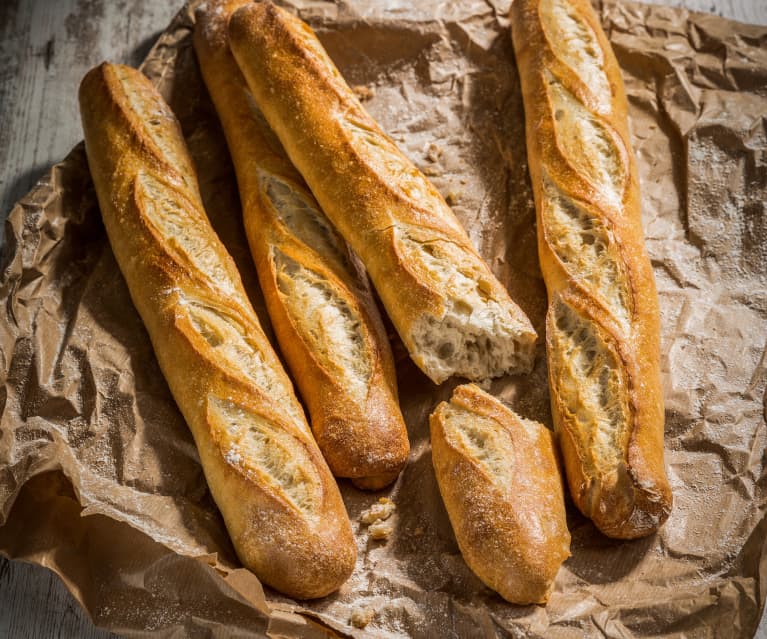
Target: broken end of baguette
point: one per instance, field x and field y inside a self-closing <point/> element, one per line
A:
<point x="477" y="345"/>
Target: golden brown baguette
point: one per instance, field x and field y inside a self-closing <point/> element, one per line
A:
<point x="603" y="331"/>
<point x="280" y="503"/>
<point x="452" y="314"/>
<point x="321" y="306"/>
<point x="500" y="481"/>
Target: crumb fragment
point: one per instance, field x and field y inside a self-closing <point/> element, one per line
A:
<point x="363" y="93"/>
<point x="361" y="616"/>
<point x="382" y="510"/>
<point x="380" y="529"/>
<point x="433" y="152"/>
<point x="431" y="171"/>
<point x="375" y="519"/>
<point x="451" y="198"/>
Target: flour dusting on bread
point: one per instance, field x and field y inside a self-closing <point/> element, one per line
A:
<point x="258" y="446"/>
<point x="576" y="45"/>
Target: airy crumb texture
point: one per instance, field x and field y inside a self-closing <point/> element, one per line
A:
<point x="586" y="247"/>
<point x="327" y="322"/>
<point x="362" y="616"/>
<point x="579" y="48"/>
<point x="589" y="381"/>
<point x="479" y="438"/>
<point x="588" y="143"/>
<point x="303" y="219"/>
<point x="259" y="447"/>
<point x="481" y="333"/>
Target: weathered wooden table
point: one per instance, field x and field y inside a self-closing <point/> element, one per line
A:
<point x="45" y="49"/>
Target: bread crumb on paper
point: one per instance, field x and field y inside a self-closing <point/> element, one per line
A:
<point x="452" y="197"/>
<point x="433" y="152"/>
<point x="380" y="530"/>
<point x="375" y="519"/>
<point x="363" y="93"/>
<point x="362" y="616"/>
<point x="382" y="510"/>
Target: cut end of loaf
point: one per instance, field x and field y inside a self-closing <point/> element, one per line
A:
<point x="477" y="344"/>
<point x="480" y="333"/>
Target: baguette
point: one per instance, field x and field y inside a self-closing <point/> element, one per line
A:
<point x="320" y="304"/>
<point x="452" y="314"/>
<point x="603" y="327"/>
<point x="499" y="478"/>
<point x="278" y="499"/>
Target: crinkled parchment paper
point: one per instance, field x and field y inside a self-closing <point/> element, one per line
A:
<point x="100" y="481"/>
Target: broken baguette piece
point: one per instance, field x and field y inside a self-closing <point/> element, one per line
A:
<point x="499" y="478"/>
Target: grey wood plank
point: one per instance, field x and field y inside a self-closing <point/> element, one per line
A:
<point x="45" y="49"/>
<point x="751" y="11"/>
<point x="34" y="603"/>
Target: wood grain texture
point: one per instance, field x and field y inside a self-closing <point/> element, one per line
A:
<point x="45" y="49"/>
<point x="35" y="603"/>
<point x="751" y="11"/>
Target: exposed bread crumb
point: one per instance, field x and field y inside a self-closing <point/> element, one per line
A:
<point x="380" y="529"/>
<point x="362" y="616"/>
<point x="233" y="456"/>
<point x="377" y="512"/>
<point x="363" y="92"/>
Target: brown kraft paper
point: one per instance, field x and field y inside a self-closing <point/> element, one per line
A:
<point x="100" y="480"/>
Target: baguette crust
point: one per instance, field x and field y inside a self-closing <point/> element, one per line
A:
<point x="499" y="478"/>
<point x="603" y="328"/>
<point x="452" y="314"/>
<point x="320" y="304"/>
<point x="279" y="501"/>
